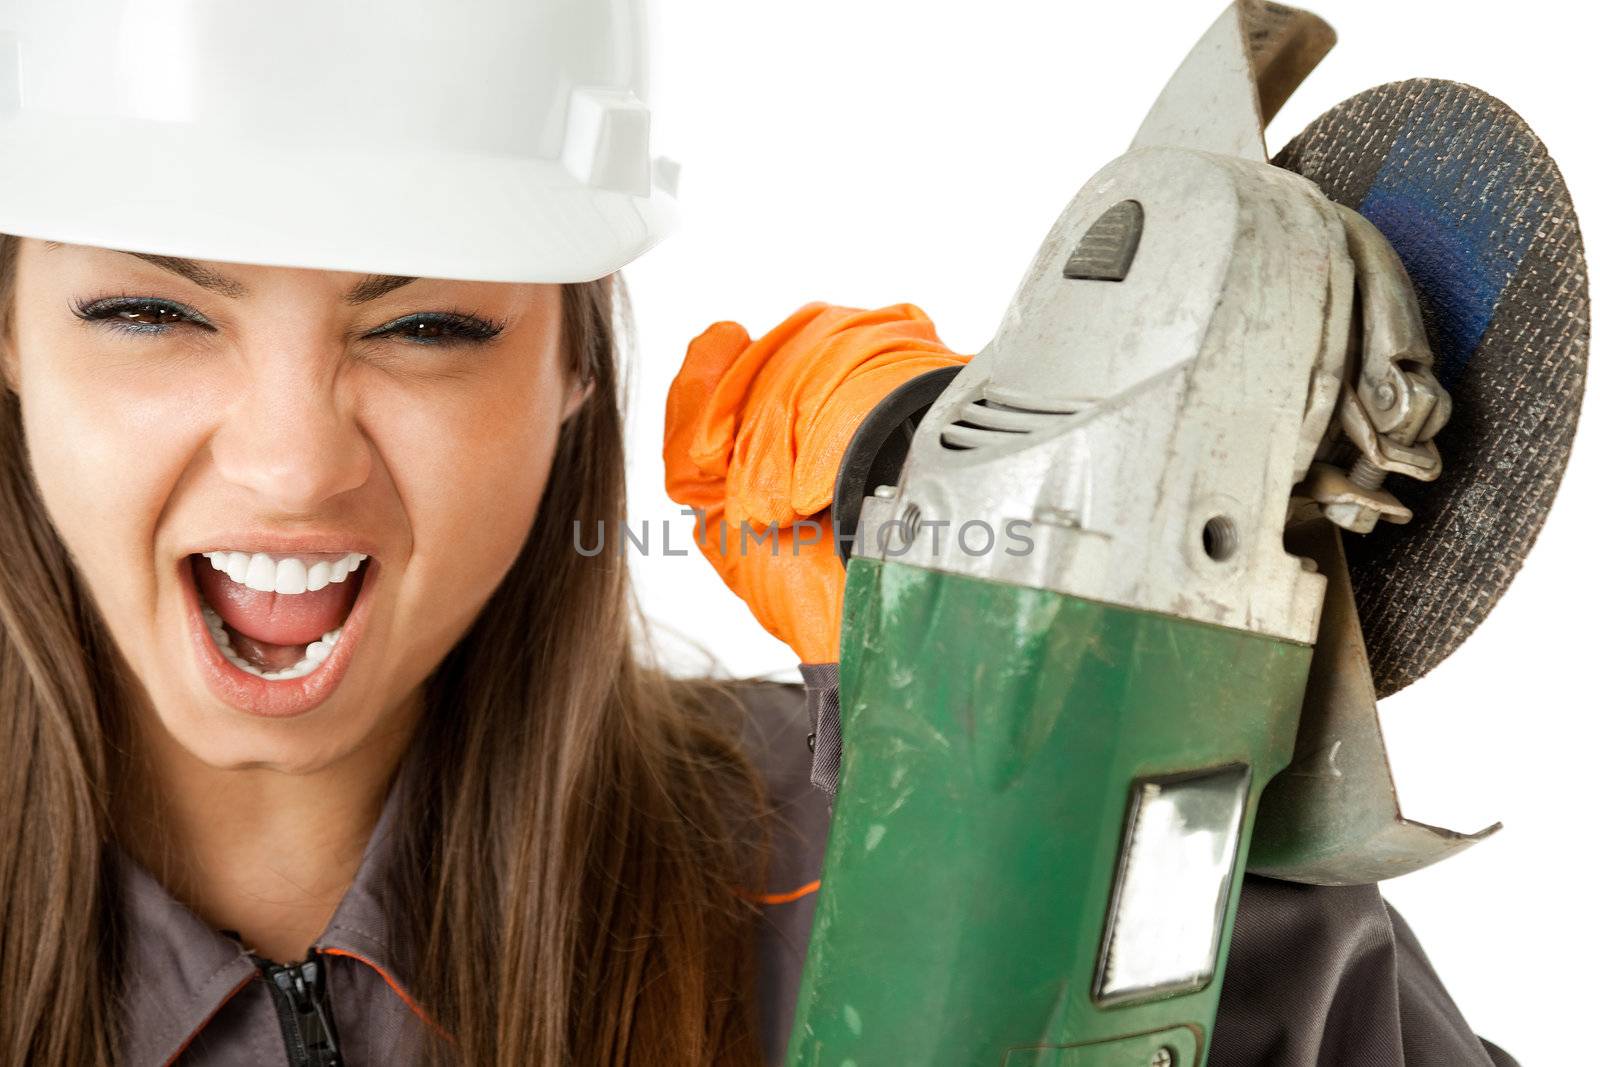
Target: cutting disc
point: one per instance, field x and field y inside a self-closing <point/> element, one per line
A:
<point x="1483" y="222"/>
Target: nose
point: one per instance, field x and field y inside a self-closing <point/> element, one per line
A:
<point x="291" y="440"/>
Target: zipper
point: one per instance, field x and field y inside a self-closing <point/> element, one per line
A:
<point x="300" y="995"/>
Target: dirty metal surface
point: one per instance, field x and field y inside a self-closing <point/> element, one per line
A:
<point x="1333" y="816"/>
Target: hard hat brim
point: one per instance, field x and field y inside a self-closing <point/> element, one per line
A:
<point x="427" y="214"/>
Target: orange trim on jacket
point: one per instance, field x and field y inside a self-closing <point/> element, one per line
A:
<point x="177" y="1053"/>
<point x="394" y="987"/>
<point x="787" y="898"/>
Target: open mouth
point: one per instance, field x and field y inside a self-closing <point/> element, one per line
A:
<point x="273" y="634"/>
<point x="278" y="618"/>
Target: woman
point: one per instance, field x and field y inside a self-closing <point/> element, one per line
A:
<point x="322" y="744"/>
<point x="270" y="535"/>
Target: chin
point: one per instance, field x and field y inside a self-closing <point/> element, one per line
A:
<point x="221" y="738"/>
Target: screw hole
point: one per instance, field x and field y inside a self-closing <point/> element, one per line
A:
<point x="1220" y="538"/>
<point x="910" y="524"/>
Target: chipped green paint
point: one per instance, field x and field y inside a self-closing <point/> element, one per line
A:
<point x="992" y="734"/>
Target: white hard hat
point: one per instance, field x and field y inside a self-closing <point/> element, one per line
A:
<point x="493" y="140"/>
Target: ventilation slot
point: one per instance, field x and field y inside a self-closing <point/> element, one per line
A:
<point x="984" y="422"/>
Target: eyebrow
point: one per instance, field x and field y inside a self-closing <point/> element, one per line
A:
<point x="375" y="285"/>
<point x="204" y="277"/>
<point x="368" y="289"/>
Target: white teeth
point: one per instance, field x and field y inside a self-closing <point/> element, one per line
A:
<point x="318" y="575"/>
<point x="289" y="576"/>
<point x="315" y="654"/>
<point x="263" y="573"/>
<point x="214" y="624"/>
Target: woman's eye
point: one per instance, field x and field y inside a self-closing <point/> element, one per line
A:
<point x="139" y="314"/>
<point x="439" y="327"/>
<point x="150" y="316"/>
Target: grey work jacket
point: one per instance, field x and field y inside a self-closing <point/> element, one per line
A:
<point x="1317" y="977"/>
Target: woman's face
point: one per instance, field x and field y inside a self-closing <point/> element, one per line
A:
<point x="288" y="491"/>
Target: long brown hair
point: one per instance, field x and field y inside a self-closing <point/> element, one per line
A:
<point x="574" y="869"/>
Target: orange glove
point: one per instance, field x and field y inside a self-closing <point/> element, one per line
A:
<point x="755" y="433"/>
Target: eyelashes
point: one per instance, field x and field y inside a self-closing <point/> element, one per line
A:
<point x="139" y="314"/>
<point x="154" y="315"/>
<point x="440" y="327"/>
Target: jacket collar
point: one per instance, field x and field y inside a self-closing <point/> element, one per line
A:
<point x="178" y="972"/>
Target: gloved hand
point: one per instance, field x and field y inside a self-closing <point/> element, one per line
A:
<point x="755" y="433"/>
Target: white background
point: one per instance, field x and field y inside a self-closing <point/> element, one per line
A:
<point x="868" y="152"/>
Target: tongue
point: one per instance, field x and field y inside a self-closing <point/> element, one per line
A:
<point x="275" y="618"/>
